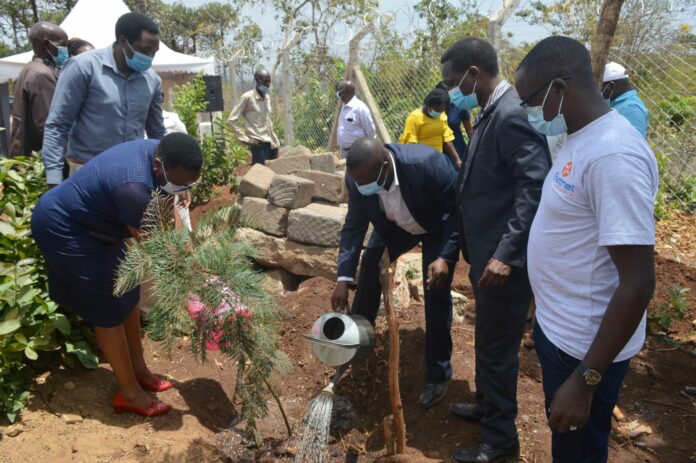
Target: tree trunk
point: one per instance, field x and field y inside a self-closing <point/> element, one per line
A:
<point x="601" y="43"/>
<point x="34" y="11"/>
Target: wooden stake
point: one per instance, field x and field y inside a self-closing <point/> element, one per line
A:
<point x="386" y="278"/>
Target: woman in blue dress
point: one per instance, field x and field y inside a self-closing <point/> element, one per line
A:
<point x="81" y="227"/>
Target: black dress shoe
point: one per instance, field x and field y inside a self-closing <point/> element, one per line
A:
<point x="467" y="412"/>
<point x="433" y="393"/>
<point x="484" y="453"/>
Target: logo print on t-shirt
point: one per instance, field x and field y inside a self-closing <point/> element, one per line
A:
<point x="566" y="169"/>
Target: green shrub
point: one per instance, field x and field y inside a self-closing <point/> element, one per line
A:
<point x="188" y="101"/>
<point x="30" y="323"/>
<point x="678" y="109"/>
<point x="221" y="154"/>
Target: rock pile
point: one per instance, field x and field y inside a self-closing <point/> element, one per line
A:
<point x="295" y="208"/>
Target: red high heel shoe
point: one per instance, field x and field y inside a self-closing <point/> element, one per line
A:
<point x="157" y="384"/>
<point x="156" y="407"/>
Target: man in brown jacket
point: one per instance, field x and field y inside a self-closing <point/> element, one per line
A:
<point x="35" y="86"/>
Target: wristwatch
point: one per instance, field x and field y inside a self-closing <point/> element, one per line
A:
<point x="591" y="377"/>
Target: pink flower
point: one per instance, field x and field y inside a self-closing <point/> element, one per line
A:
<point x="198" y="311"/>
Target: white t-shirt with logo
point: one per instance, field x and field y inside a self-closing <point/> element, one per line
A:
<point x="600" y="192"/>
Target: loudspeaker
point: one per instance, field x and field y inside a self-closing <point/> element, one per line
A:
<point x="213" y="94"/>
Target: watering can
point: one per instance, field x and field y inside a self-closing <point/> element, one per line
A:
<point x="338" y="338"/>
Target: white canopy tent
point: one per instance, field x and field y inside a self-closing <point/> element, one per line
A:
<point x="94" y="21"/>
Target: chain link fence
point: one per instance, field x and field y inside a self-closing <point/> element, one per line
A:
<point x="665" y="79"/>
<point x="666" y="82"/>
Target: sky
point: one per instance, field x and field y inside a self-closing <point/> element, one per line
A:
<point x="403" y="20"/>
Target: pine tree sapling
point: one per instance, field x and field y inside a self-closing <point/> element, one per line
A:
<point x="203" y="284"/>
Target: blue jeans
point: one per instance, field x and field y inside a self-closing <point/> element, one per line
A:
<point x="591" y="443"/>
<point x="262" y="153"/>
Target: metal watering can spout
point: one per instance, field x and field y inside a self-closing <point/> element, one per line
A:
<point x="338" y="339"/>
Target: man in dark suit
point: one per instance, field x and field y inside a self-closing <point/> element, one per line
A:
<point x="407" y="192"/>
<point x="498" y="193"/>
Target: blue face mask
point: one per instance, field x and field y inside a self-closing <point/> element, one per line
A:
<point x="371" y="188"/>
<point x="554" y="127"/>
<point x="263" y="89"/>
<point x="140" y="62"/>
<point x="461" y="101"/>
<point x="434" y="114"/>
<point x="62" y="54"/>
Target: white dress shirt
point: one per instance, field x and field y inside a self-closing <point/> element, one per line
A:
<point x="392" y="203"/>
<point x="355" y="121"/>
<point x="394" y="207"/>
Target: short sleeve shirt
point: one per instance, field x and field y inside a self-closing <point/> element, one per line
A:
<point x="426" y="130"/>
<point x="600" y="192"/>
<point x="108" y="194"/>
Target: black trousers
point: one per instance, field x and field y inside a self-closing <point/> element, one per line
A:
<point x="438" y="302"/>
<point x="262" y="153"/>
<point x="501" y="313"/>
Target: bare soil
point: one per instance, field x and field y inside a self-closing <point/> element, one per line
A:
<point x="200" y="424"/>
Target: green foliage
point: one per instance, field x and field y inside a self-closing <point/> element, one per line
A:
<point x="678" y="110"/>
<point x="30" y="322"/>
<point x="211" y="266"/>
<point x="221" y="154"/>
<point x="188" y="101"/>
<point x="674" y="309"/>
<point x="221" y="151"/>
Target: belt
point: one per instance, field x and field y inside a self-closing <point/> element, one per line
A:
<point x="75" y="161"/>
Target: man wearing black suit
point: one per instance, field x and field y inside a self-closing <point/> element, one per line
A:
<point x="498" y="193"/>
<point x="407" y="193"/>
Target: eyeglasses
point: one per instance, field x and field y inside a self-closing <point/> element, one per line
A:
<point x="525" y="102"/>
<point x="178" y="188"/>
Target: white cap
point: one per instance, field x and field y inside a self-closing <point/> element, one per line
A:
<point x="614" y="71"/>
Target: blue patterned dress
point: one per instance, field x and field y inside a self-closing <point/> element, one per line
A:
<point x="81" y="227"/>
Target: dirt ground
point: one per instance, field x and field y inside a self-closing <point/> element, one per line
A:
<point x="199" y="426"/>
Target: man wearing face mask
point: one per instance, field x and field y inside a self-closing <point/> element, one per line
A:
<point x="104" y="98"/>
<point x="254" y="108"/>
<point x="407" y="193"/>
<point x="354" y="121"/>
<point x="498" y="193"/>
<point x="623" y="98"/>
<point x="81" y="227"/>
<point x="35" y="86"/>
<point x="591" y="256"/>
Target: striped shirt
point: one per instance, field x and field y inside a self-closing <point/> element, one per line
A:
<point x="501" y="88"/>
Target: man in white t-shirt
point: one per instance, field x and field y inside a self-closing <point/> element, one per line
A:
<point x="591" y="262"/>
<point x="355" y="119"/>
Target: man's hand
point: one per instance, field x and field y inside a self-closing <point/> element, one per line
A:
<point x="184" y="199"/>
<point x="438" y="271"/>
<point x="570" y="407"/>
<point x="339" y="297"/>
<point x="496" y="273"/>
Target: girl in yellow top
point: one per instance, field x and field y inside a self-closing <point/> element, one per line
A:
<point x="428" y="126"/>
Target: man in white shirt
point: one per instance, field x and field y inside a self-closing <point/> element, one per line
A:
<point x="355" y="120"/>
<point x="407" y="193"/>
<point x="591" y="261"/>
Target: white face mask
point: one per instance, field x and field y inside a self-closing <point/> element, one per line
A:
<point x="170" y="187"/>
